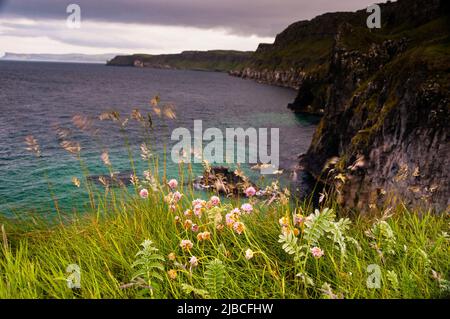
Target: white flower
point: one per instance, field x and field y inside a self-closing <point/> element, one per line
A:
<point x="249" y="254"/>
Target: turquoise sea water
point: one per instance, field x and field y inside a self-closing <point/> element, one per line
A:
<point x="35" y="98"/>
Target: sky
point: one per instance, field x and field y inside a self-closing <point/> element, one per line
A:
<point x="153" y="26"/>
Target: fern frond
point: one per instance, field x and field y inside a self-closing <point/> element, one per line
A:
<point x="317" y="224"/>
<point x="148" y="264"/>
<point x="215" y="277"/>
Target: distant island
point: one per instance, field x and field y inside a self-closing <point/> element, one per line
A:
<point x="70" y="57"/>
<point x="213" y="60"/>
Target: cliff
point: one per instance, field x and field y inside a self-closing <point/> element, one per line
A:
<point x="384" y="99"/>
<point x="215" y="60"/>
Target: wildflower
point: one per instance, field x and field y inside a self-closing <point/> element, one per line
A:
<point x="172" y="273"/>
<point x="247" y="208"/>
<point x="71" y="147"/>
<point x="155" y="100"/>
<point x="173" y="183"/>
<point x="298" y="220"/>
<point x="249" y="254"/>
<point x="176" y="196"/>
<point x="236" y="211"/>
<point x="145" y="152"/>
<point x="285" y="230"/>
<point x="177" y="219"/>
<point x="103" y="180"/>
<point x="169" y="111"/>
<point x="186" y="244"/>
<point x="143" y="193"/>
<point x="215" y="200"/>
<point x="187" y="224"/>
<point x="199" y="202"/>
<point x="76" y="181"/>
<point x="194" y="228"/>
<point x="296" y="231"/>
<point x="193" y="261"/>
<point x="284" y="221"/>
<point x="171" y="256"/>
<point x="105" y="158"/>
<point x="317" y="252"/>
<point x="136" y="115"/>
<point x="113" y="116"/>
<point x="134" y="180"/>
<point x="204" y="236"/>
<point x="148" y="175"/>
<point x="231" y="218"/>
<point x="82" y="122"/>
<point x="188" y="213"/>
<point x="238" y="227"/>
<point x="219" y="227"/>
<point x="250" y="191"/>
<point x="198" y="210"/>
<point x="322" y="197"/>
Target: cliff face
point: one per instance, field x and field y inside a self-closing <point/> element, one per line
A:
<point x="383" y="96"/>
<point x="384" y="133"/>
<point x="216" y="60"/>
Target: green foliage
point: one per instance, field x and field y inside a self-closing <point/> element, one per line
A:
<point x="317" y="224"/>
<point x="148" y="265"/>
<point x="215" y="277"/>
<point x="189" y="290"/>
<point x="384" y="236"/>
<point x="34" y="255"/>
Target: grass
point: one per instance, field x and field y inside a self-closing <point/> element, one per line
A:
<point x="127" y="246"/>
<point x="412" y="252"/>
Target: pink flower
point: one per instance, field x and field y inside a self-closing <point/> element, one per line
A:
<point x="198" y="210"/>
<point x="317" y="252"/>
<point x="239" y="227"/>
<point x="250" y="191"/>
<point x="176" y="196"/>
<point x="215" y="200"/>
<point x="193" y="261"/>
<point x="236" y="211"/>
<point x="198" y="202"/>
<point x="143" y="193"/>
<point x="247" y="208"/>
<point x="173" y="183"/>
<point x="298" y="219"/>
<point x="194" y="228"/>
<point x="186" y="244"/>
<point x="229" y="219"/>
<point x="188" y="213"/>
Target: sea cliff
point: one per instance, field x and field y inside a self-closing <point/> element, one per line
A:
<point x="383" y="96"/>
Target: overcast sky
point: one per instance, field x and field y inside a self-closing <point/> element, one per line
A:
<point x="153" y="26"/>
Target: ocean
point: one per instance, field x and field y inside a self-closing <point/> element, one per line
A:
<point x="37" y="98"/>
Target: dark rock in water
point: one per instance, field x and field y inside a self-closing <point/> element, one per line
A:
<point x="116" y="180"/>
<point x="222" y="180"/>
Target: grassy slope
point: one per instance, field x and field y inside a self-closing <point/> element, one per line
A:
<point x="104" y="242"/>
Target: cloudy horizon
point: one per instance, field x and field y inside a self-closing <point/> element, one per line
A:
<point x="153" y="26"/>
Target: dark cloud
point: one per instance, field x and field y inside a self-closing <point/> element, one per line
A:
<point x="259" y="17"/>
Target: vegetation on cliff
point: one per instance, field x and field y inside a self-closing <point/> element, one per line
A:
<point x="214" y="60"/>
